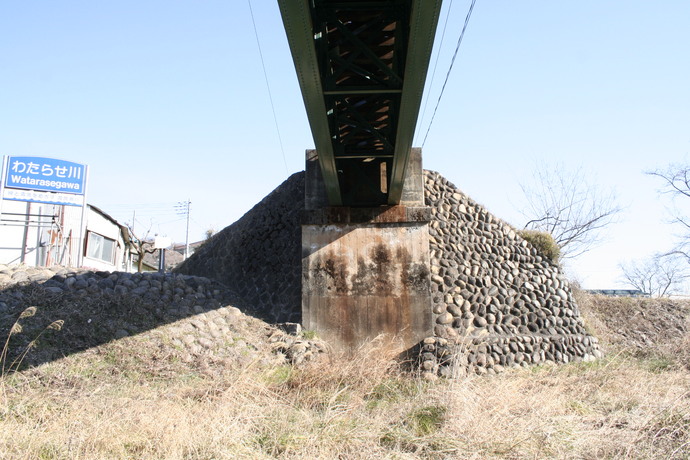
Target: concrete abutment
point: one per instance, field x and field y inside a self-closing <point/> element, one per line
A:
<point x="365" y="271"/>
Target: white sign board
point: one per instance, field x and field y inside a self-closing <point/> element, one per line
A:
<point x="162" y="242"/>
<point x="44" y="180"/>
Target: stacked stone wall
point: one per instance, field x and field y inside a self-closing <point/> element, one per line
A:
<point x="96" y="307"/>
<point x="259" y="256"/>
<point x="495" y="298"/>
<point x="496" y="301"/>
<point x="188" y="317"/>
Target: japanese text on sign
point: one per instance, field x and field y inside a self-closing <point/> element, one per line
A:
<point x="45" y="174"/>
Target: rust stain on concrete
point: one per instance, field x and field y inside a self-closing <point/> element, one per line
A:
<point x="365" y="281"/>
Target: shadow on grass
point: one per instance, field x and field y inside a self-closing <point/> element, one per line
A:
<point x="94" y="315"/>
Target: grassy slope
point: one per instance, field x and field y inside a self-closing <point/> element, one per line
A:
<point x="139" y="397"/>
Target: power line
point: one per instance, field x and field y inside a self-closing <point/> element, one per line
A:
<point x="139" y="205"/>
<point x="438" y="55"/>
<point x="180" y="219"/>
<point x="183" y="208"/>
<point x="268" y="87"/>
<point x="457" y="47"/>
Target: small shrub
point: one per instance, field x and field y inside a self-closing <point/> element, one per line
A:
<point x="682" y="351"/>
<point x="309" y="334"/>
<point x="658" y="363"/>
<point x="280" y="375"/>
<point x="392" y="390"/>
<point x="543" y="242"/>
<point x="427" y="420"/>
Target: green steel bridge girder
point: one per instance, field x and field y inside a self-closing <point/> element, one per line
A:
<point x="362" y="66"/>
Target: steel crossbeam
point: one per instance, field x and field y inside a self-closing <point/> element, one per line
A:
<point x="362" y="67"/>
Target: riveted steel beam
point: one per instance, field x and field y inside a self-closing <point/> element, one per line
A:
<point x="362" y="65"/>
<point x="300" y="32"/>
<point x="423" y="21"/>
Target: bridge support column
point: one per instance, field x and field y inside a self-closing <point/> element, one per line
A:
<point x="365" y="271"/>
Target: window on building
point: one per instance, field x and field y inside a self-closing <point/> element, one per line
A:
<point x="100" y="247"/>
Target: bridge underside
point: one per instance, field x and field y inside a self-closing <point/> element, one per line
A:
<point x="365" y="235"/>
<point x="362" y="67"/>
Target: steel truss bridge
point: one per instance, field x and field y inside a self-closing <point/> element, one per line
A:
<point x="361" y="66"/>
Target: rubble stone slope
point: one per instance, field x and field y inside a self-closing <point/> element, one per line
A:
<point x="48" y="313"/>
<point x="259" y="256"/>
<point x="493" y="294"/>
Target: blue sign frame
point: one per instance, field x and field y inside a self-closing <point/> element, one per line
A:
<point x="45" y="174"/>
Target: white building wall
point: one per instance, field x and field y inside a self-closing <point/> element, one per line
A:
<point x="60" y="241"/>
<point x="99" y="228"/>
<point x="20" y="243"/>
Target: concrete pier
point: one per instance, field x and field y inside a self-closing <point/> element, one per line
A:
<point x="365" y="271"/>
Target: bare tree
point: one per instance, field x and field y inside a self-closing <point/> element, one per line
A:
<point x="676" y="180"/>
<point x="141" y="246"/>
<point x="660" y="275"/>
<point x="570" y="207"/>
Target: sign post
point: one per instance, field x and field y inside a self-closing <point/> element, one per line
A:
<point x="161" y="243"/>
<point x="3" y="172"/>
<point x="45" y="180"/>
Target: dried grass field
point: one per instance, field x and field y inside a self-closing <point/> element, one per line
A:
<point x="139" y="398"/>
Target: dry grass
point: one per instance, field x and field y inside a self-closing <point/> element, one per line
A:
<point x="346" y="409"/>
<point x="127" y="400"/>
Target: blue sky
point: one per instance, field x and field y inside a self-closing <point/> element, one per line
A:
<point x="166" y="101"/>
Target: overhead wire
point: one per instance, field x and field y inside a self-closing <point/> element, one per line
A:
<point x="178" y="219"/>
<point x="438" y="55"/>
<point x="450" y="68"/>
<point x="268" y="86"/>
<point x="140" y="205"/>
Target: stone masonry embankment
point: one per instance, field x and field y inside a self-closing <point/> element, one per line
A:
<point x="497" y="302"/>
<point x="259" y="256"/>
<point x="190" y="317"/>
<point x="494" y="296"/>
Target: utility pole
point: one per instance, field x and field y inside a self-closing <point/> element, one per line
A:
<point x="183" y="208"/>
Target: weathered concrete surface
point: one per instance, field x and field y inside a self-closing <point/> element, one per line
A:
<point x="365" y="271"/>
<point x="413" y="190"/>
<point x="364" y="281"/>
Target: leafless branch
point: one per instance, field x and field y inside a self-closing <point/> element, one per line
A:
<point x="676" y="179"/>
<point x="676" y="182"/>
<point x="659" y="276"/>
<point x="141" y="246"/>
<point x="570" y="207"/>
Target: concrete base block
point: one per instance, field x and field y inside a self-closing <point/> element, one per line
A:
<point x="366" y="281"/>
